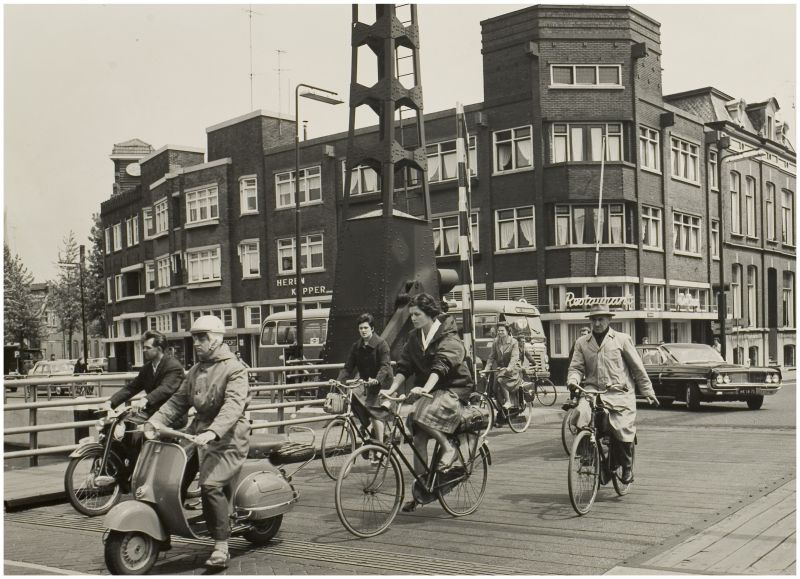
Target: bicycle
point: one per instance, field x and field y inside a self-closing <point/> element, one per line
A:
<point x="568" y="430"/>
<point x="370" y="493"/>
<point x="344" y="434"/>
<point x="590" y="463"/>
<point x="518" y="417"/>
<point x="543" y="388"/>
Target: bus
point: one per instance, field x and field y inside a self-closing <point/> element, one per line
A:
<point x="278" y="335"/>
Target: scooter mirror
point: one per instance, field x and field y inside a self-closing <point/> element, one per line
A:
<point x="149" y="430"/>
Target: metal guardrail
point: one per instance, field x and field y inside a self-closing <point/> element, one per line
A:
<point x="277" y="401"/>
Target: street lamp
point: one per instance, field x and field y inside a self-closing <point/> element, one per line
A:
<point x="324" y="96"/>
<point x="79" y="265"/>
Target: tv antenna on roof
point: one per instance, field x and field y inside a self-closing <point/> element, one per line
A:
<point x="279" y="70"/>
<point x="250" y="13"/>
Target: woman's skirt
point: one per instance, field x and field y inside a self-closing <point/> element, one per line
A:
<point x="442" y="412"/>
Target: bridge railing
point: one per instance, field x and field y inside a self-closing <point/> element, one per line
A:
<point x="288" y="388"/>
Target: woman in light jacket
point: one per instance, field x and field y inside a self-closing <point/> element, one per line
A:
<point x="504" y="357"/>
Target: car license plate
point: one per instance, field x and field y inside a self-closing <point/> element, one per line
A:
<point x="749" y="391"/>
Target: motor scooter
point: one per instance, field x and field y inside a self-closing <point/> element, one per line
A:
<point x="139" y="529"/>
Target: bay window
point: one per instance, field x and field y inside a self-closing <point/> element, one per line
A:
<point x="577" y="224"/>
<point x="584" y="142"/>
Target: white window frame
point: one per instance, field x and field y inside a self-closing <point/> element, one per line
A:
<point x="161" y="216"/>
<point x="149" y="276"/>
<point x="118" y="287"/>
<point x="308" y="175"/>
<point x="736" y="290"/>
<point x="109" y="287"/>
<point x="203" y="265"/>
<point x="715" y="239"/>
<point x="132" y="231"/>
<point x="309" y="243"/>
<point x="579" y="140"/>
<point x="248" y="316"/>
<point x="227" y="315"/>
<point x="518" y="235"/>
<point x="574" y="74"/>
<point x="787" y="295"/>
<point x="117" y="230"/>
<point x="713" y="171"/>
<point x="769" y="202"/>
<point x="248" y="191"/>
<point x="752" y="299"/>
<point x="652" y="227"/>
<point x="686" y="233"/>
<point x="201" y="200"/>
<point x="787" y="217"/>
<point x="361" y="176"/>
<point x="107" y="234"/>
<point x="649" y="149"/>
<point x="163" y="272"/>
<point x="161" y="323"/>
<point x="514" y="140"/>
<point x="750" y="206"/>
<point x="248" y="255"/>
<point x="148" y="225"/>
<point x="736" y="203"/>
<point x="453" y="223"/>
<point x="685" y="164"/>
<point x="444" y="152"/>
<point x="612" y="212"/>
<point x="653" y="299"/>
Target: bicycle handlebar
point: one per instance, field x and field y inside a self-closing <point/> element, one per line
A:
<point x="402" y="397"/>
<point x="352" y="384"/>
<point x="609" y="388"/>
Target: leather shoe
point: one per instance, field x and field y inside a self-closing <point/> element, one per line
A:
<point x="410" y="507"/>
<point x="627" y="475"/>
<point x="218" y="559"/>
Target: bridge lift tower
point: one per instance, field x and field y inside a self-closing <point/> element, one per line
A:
<point x="384" y="254"/>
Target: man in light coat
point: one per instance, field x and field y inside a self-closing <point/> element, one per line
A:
<point x="217" y="389"/>
<point x="608" y="358"/>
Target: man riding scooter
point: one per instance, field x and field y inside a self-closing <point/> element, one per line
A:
<point x="216" y="386"/>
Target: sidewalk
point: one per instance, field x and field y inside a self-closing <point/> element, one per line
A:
<point x="758" y="539"/>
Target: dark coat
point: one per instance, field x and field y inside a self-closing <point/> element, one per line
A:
<point x="372" y="360"/>
<point x="158" y="387"/>
<point x="443" y="356"/>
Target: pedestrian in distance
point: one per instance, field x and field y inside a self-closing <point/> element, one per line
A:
<point x="504" y="357"/>
<point x="434" y="356"/>
<point x="239" y="357"/>
<point x="216" y="387"/>
<point x="717" y="345"/>
<point x="369" y="359"/>
<point x="607" y="358"/>
<point x="52" y="357"/>
<point x="80" y="367"/>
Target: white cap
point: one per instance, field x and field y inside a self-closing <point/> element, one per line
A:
<point x="210" y="324"/>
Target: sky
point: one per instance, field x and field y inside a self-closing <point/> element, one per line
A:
<point x="80" y="78"/>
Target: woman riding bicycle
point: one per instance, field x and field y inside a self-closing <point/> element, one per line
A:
<point x="434" y="356"/>
<point x="504" y="357"/>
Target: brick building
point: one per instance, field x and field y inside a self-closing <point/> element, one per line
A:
<point x="188" y="234"/>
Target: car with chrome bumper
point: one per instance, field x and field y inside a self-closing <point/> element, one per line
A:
<point x="696" y="373"/>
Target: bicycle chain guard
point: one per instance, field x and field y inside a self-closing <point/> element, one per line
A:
<point x="421" y="495"/>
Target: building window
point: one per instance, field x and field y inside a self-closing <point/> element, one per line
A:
<point x="736" y="290"/>
<point x="651" y="227"/>
<point x="750" y="206"/>
<point x="736" y="219"/>
<point x="514" y="228"/>
<point x="363" y="180"/>
<point x="132" y="230"/>
<point x="182" y="318"/>
<point x="252" y="316"/>
<point x="653" y="298"/>
<point x="685" y="233"/>
<point x="752" y="285"/>
<point x="585" y="75"/>
<point x="163" y="270"/>
<point x="161" y="217"/>
<point x="248" y="195"/>
<point x="715" y="239"/>
<point x="310" y="188"/>
<point x="161" y="323"/>
<point x="147" y="222"/>
<point x="226" y="315"/>
<point x="576" y="224"/>
<point x="685" y="160"/>
<point x="513" y="149"/>
<point x="149" y="276"/>
<point x="787" y="218"/>
<point x="649" y="149"/>
<point x="443" y="161"/>
<point x="686" y="299"/>
<point x="117" y="230"/>
<point x="713" y="171"/>
<point x="312" y="254"/>
<point x="118" y="287"/>
<point x="204" y="265"/>
<point x="446" y="234"/>
<point x="250" y="257"/>
<point x="109" y="291"/>
<point x="585" y="142"/>
<point x="202" y="205"/>
<point x="107" y="236"/>
<point x="770" y="209"/>
<point x="788" y="299"/>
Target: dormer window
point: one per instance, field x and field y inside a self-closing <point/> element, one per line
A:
<point x="770" y="128"/>
<point x="736" y="111"/>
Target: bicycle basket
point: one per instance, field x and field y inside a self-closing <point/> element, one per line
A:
<point x="529" y="391"/>
<point x="472" y="420"/>
<point x="335" y="403"/>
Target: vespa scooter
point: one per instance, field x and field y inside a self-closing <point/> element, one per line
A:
<point x="139" y="529"/>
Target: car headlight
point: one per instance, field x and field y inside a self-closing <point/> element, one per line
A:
<point x="119" y="431"/>
<point x="719" y="379"/>
<point x="726" y="379"/>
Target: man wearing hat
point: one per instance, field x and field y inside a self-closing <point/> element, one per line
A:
<point x="608" y="358"/>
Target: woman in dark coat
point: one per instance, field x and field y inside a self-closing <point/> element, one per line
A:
<point x="434" y="355"/>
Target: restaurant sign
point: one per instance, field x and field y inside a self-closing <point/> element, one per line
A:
<point x="585" y="303"/>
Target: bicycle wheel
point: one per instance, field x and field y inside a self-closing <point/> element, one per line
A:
<point x="369" y="493"/>
<point x="338" y="441"/>
<point x="584" y="472"/>
<point x="546" y="392"/>
<point x="519" y="417"/>
<point x="485" y="405"/>
<point x="462" y="488"/>
<point x="622" y="488"/>
<point x="568" y="430"/>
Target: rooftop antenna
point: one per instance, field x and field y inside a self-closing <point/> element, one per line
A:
<point x="250" y="13"/>
<point x="279" y="70"/>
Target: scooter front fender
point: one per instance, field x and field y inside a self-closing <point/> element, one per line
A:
<point x="136" y="516"/>
<point x="85" y="447"/>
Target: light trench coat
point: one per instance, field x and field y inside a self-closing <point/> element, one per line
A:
<point x="615" y="362"/>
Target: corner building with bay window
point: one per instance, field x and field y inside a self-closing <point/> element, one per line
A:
<point x="698" y="187"/>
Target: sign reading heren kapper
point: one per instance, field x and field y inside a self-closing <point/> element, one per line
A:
<point x="571" y="302"/>
<point x="307" y="290"/>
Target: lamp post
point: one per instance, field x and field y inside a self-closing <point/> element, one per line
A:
<point x="324" y="96"/>
<point x="79" y="265"/>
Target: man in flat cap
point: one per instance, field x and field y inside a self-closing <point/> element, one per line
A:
<point x="608" y="358"/>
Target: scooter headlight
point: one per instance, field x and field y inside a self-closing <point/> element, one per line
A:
<point x="149" y="431"/>
<point x="119" y="431"/>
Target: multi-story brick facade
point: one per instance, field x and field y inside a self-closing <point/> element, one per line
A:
<point x="562" y="84"/>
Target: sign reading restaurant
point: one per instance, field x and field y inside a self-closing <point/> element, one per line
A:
<point x="585" y="303"/>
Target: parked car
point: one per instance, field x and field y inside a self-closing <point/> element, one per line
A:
<point x="695" y="373"/>
<point x="51" y="368"/>
<point x="97" y="365"/>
